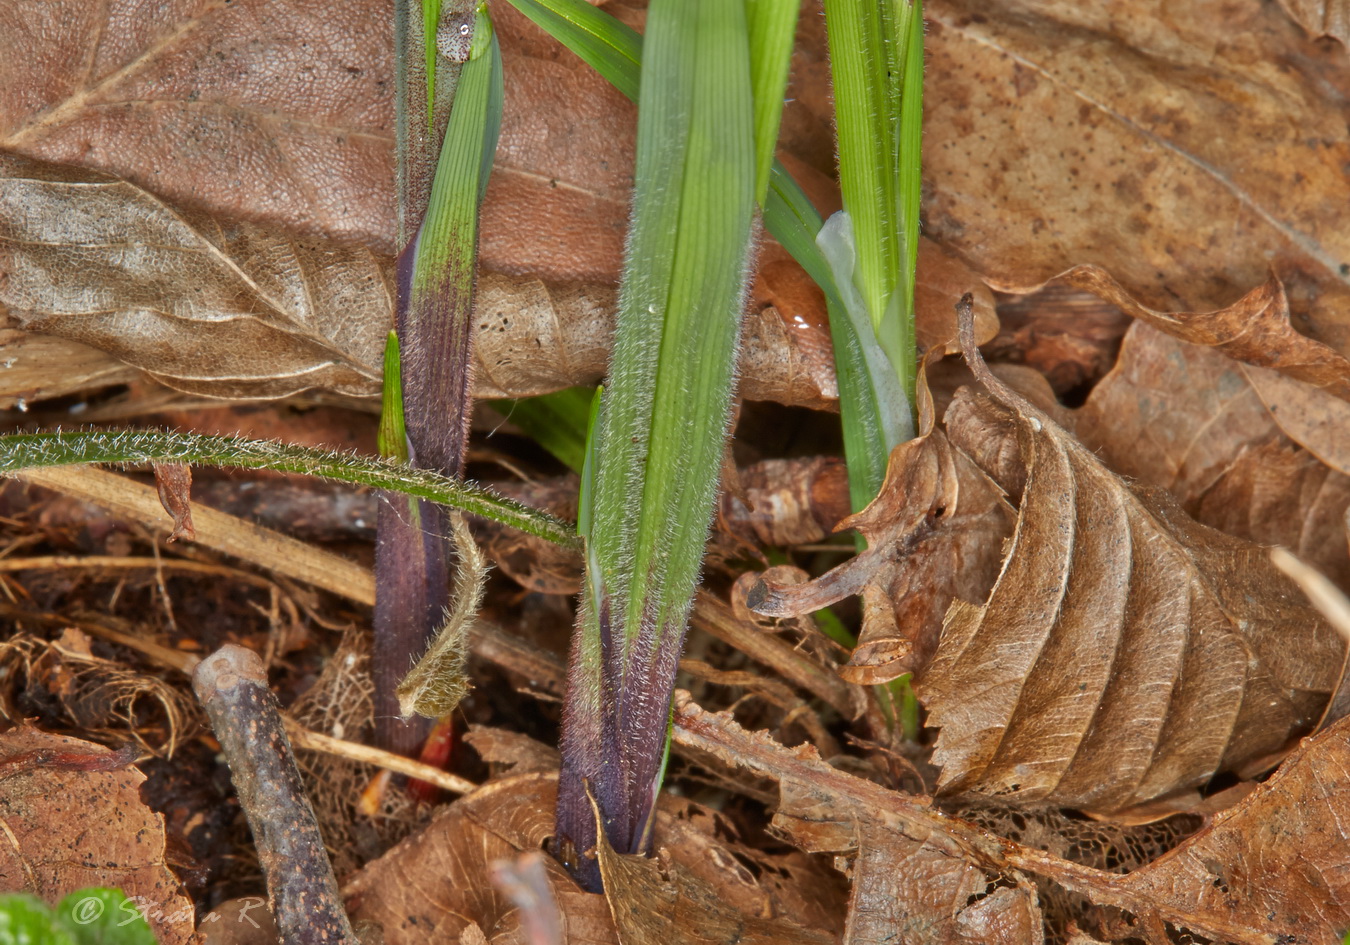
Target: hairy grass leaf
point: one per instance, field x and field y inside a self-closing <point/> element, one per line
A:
<point x="662" y="420"/>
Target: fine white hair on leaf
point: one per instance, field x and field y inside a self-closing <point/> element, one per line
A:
<point x="435" y="686"/>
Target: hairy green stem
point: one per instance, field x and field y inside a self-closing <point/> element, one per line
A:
<point x="143" y="447"/>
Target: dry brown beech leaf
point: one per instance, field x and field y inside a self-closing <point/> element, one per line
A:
<point x="1254" y="330"/>
<point x="656" y="903"/>
<point x="1321" y="17"/>
<point x="1126" y="653"/>
<point x="436" y="884"/>
<point x="1190" y="149"/>
<point x="203" y="306"/>
<point x="1244" y="879"/>
<point x="1189" y="420"/>
<point x="49" y="805"/>
<point x="1304" y="384"/>
<point x="280" y="114"/>
<point x="231" y="310"/>
<point x="1310" y="417"/>
<point x="268" y="111"/>
<point x="934" y="533"/>
<point x="1274" y="863"/>
<point x="913" y="882"/>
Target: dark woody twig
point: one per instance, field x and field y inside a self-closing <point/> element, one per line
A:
<point x="231" y="685"/>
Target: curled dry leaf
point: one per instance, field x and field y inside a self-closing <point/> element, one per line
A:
<point x="1279" y="494"/>
<point x="1271" y="869"/>
<point x="1254" y="330"/>
<point x="1304" y="384"/>
<point x="934" y="534"/>
<point x="435" y="885"/>
<point x="1126" y="652"/>
<point x="1186" y="419"/>
<point x="205" y="307"/>
<point x="284" y="116"/>
<point x="174" y="482"/>
<point x="1310" y="417"/>
<point x="1157" y="145"/>
<point x="53" y="790"/>
<point x="277" y="113"/>
<point x="207" y="109"/>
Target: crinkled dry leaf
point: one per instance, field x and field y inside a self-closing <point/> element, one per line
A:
<point x="282" y="114"/>
<point x="1254" y="330"/>
<point x="934" y="534"/>
<point x="208" y="110"/>
<point x="1304" y="384"/>
<point x="1187" y="419"/>
<point x="232" y="310"/>
<point x="1321" y="17"/>
<point x="1281" y="495"/>
<point x="907" y="886"/>
<point x="436" y="884"/>
<point x="273" y="112"/>
<point x="1244" y="879"/>
<point x="70" y="826"/>
<point x="913" y="883"/>
<point x="1310" y="417"/>
<point x="1271" y="869"/>
<point x="1126" y="653"/>
<point x="203" y="306"/>
<point x="1171" y="414"/>
<point x="661" y="904"/>
<point x="941" y="280"/>
<point x="1175" y="147"/>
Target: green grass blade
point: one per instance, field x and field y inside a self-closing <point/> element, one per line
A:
<point x="434" y="313"/>
<point x="771" y="25"/>
<point x="392" y="436"/>
<point x="615" y="52"/>
<point x="557" y="422"/>
<point x="876" y="53"/>
<point x="143" y="447"/>
<point x="910" y="152"/>
<point x="608" y="46"/>
<point x="664" y="414"/>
